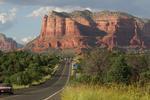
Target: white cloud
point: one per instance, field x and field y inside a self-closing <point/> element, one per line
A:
<point x="44" y="10"/>
<point x="27" y="39"/>
<point x="8" y="16"/>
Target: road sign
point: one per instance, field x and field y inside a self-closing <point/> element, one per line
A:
<point x="75" y="66"/>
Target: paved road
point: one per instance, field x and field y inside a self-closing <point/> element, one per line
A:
<point x="47" y="91"/>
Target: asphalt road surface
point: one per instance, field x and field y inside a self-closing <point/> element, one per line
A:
<point x="50" y="90"/>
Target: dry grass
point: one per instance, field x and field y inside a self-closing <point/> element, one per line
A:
<point x="113" y="92"/>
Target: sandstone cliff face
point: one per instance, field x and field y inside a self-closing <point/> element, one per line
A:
<point x="7" y="44"/>
<point x="84" y="29"/>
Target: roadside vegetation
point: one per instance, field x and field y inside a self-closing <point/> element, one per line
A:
<point x="105" y="92"/>
<point x="116" y="75"/>
<point x="22" y="69"/>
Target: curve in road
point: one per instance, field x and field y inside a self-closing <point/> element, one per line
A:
<point x="47" y="90"/>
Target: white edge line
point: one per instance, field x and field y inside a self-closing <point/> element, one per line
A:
<point x="60" y="89"/>
<point x="53" y="94"/>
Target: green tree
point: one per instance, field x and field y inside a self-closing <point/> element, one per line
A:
<point x="21" y="78"/>
<point x="95" y="62"/>
<point x="120" y="72"/>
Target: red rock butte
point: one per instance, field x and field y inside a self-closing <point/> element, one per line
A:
<point x="7" y="44"/>
<point x="84" y="29"/>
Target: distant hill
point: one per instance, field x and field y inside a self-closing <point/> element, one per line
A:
<point x="7" y="44"/>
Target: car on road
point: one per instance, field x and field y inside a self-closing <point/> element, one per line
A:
<point x="5" y="88"/>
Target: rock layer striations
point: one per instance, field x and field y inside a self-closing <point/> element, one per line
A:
<point x="7" y="44"/>
<point x="85" y="29"/>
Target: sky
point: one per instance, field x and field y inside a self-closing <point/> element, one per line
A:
<point x="21" y="19"/>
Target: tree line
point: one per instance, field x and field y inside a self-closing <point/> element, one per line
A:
<point x="23" y="68"/>
<point x="101" y="66"/>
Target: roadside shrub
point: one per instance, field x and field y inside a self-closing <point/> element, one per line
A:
<point x="102" y="66"/>
<point x="120" y="72"/>
<point x="21" y="78"/>
<point x="144" y="77"/>
<point x="83" y="79"/>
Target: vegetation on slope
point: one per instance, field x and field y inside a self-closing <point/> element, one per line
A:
<point x="100" y="69"/>
<point x="24" y="68"/>
<point x="100" y="66"/>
